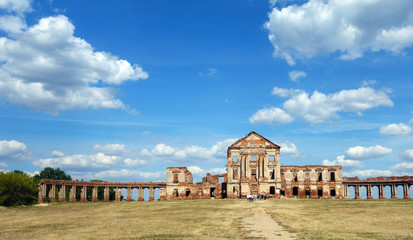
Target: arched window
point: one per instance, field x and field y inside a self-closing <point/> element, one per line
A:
<point x="200" y="192"/>
<point x="188" y="192"/>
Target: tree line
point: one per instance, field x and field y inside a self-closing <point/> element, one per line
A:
<point x="18" y="188"/>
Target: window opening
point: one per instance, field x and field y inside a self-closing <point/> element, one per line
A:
<point x="176" y="178"/>
<point x="333" y="192"/>
<point x="200" y="192"/>
<point x="235" y="159"/>
<point x="212" y="192"/>
<point x="221" y="179"/>
<point x="295" y="191"/>
<point x="235" y="173"/>
<point x="272" y="190"/>
<point x="320" y="192"/>
<point x="188" y="192"/>
<point x="272" y="158"/>
<point x="253" y="158"/>
<point x="332" y="176"/>
<point x="176" y="192"/>
<point x="320" y="176"/>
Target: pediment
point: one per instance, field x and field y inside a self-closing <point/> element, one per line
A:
<point x="253" y="140"/>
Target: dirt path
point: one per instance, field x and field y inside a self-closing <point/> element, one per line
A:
<point x="261" y="224"/>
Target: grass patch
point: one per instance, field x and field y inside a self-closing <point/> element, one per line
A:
<point x="344" y="219"/>
<point x="208" y="219"/>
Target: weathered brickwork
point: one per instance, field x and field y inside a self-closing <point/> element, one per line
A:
<point x="253" y="168"/>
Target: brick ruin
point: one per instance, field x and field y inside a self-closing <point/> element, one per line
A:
<point x="253" y="168"/>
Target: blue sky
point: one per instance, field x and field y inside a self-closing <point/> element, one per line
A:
<point x="120" y="91"/>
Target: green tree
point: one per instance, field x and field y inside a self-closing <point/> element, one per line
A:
<point x="16" y="188"/>
<point x="52" y="173"/>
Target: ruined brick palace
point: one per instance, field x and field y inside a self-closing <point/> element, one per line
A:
<point x="253" y="167"/>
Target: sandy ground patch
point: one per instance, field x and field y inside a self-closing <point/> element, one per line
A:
<point x="261" y="224"/>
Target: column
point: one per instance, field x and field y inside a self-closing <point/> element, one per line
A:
<point x="369" y="193"/>
<point x="406" y="190"/>
<point x="62" y="193"/>
<point x="40" y="197"/>
<point x="106" y="194"/>
<point x="52" y="193"/>
<point x="83" y="194"/>
<point x="346" y="191"/>
<point x="117" y="194"/>
<point x="258" y="174"/>
<point x="240" y="166"/>
<point x="381" y="192"/>
<point x="140" y="194"/>
<point x="72" y="194"/>
<point x="129" y="194"/>
<point x="95" y="194"/>
<point x="357" y="192"/>
<point x="151" y="194"/>
<point x="393" y="191"/>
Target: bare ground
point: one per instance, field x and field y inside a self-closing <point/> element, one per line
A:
<point x="261" y="224"/>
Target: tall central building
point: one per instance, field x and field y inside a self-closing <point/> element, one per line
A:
<point x="253" y="167"/>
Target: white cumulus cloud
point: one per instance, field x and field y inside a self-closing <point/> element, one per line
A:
<point x="14" y="151"/>
<point x="408" y="154"/>
<point x="200" y="172"/>
<point x="289" y="149"/>
<point x="368" y="173"/>
<point x="191" y="153"/>
<point x="360" y="152"/>
<point x="320" y="107"/>
<point x="271" y="116"/>
<point x="134" y="175"/>
<point x="395" y="129"/>
<point x="404" y="169"/>
<point x="3" y="165"/>
<point x="319" y="28"/>
<point x="110" y="149"/>
<point x="46" y="68"/>
<point x="79" y="161"/>
<point x="296" y="75"/>
<point x="340" y="160"/>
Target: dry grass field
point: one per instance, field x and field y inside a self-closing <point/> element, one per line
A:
<point x="208" y="219"/>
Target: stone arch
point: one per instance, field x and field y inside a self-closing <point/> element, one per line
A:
<point x="363" y="192"/>
<point x="351" y="192"/>
<point x="387" y="192"/>
<point x="320" y="192"/>
<point x="375" y="192"/>
<point x="399" y="191"/>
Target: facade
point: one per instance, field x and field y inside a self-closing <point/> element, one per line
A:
<point x="253" y="168"/>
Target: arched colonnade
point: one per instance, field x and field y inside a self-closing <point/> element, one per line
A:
<point x="49" y="188"/>
<point x="380" y="182"/>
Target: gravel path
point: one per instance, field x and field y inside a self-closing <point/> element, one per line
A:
<point x="261" y="224"/>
